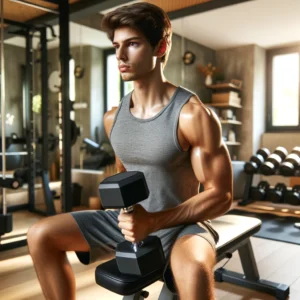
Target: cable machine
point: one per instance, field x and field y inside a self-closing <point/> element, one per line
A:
<point x="28" y="31"/>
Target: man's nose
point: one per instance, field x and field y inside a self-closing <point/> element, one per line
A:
<point x="121" y="53"/>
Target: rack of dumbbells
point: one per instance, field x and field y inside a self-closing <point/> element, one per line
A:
<point x="280" y="163"/>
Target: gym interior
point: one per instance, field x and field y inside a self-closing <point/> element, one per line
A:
<point x="59" y="76"/>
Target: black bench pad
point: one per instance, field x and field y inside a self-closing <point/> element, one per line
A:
<point x="108" y="276"/>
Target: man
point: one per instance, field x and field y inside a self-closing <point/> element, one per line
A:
<point x="167" y="133"/>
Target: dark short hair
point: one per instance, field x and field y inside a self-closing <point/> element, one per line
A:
<point x="149" y="19"/>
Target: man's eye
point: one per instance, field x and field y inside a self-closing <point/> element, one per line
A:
<point x="133" y="44"/>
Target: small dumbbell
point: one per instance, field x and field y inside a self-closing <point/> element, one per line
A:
<point x="259" y="192"/>
<point x="273" y="161"/>
<point x="291" y="163"/>
<point x="276" y="195"/>
<point x="256" y="160"/>
<point x="293" y="197"/>
<point x="124" y="190"/>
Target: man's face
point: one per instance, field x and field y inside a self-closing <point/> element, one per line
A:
<point x="134" y="53"/>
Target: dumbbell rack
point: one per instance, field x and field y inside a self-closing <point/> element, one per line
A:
<point x="246" y="197"/>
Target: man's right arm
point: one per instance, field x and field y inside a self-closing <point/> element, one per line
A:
<point x="109" y="118"/>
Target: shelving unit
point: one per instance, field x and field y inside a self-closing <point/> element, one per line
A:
<point x="229" y="124"/>
<point x="224" y="105"/>
<point x="232" y="143"/>
<point x="233" y="122"/>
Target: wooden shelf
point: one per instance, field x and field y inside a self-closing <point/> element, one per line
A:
<point x="234" y="122"/>
<point x="223" y="86"/>
<point x="232" y="143"/>
<point x="223" y="105"/>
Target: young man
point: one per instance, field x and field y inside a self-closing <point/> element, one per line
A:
<point x="167" y="133"/>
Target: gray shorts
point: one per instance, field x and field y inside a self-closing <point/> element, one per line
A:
<point x="100" y="230"/>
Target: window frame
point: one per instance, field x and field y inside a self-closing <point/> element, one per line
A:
<point x="270" y="54"/>
<point x="106" y="53"/>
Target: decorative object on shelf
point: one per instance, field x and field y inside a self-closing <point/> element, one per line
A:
<point x="226" y="114"/>
<point x="188" y="57"/>
<point x="231" y="136"/>
<point x="209" y="71"/>
<point x="208" y="80"/>
<point x="236" y="82"/>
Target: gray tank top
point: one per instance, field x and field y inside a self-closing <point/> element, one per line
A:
<point x="151" y="146"/>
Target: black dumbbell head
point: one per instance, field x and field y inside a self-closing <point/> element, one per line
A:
<point x="289" y="165"/>
<point x="282" y="152"/>
<point x="149" y="257"/>
<point x="259" y="192"/>
<point x="264" y="152"/>
<point x="255" y="162"/>
<point x="293" y="197"/>
<point x="276" y="195"/>
<point x="123" y="190"/>
<point x="296" y="150"/>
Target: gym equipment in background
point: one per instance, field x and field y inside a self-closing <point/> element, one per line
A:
<point x="273" y="161"/>
<point x="256" y="161"/>
<point x="291" y="163"/>
<point x="274" y="164"/>
<point x="276" y="194"/>
<point x="259" y="192"/>
<point x="98" y="156"/>
<point x="123" y="190"/>
<point x="292" y="197"/>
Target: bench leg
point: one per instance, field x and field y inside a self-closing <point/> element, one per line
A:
<point x="250" y="278"/>
<point x="166" y="294"/>
<point x="141" y="295"/>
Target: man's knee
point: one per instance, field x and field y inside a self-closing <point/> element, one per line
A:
<point x="192" y="256"/>
<point x="38" y="235"/>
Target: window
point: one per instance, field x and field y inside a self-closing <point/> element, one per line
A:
<point x="283" y="97"/>
<point x="115" y="87"/>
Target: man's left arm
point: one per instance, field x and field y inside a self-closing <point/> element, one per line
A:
<point x="212" y="167"/>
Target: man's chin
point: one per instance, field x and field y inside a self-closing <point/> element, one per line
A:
<point x="127" y="77"/>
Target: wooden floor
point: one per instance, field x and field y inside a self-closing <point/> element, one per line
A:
<point x="279" y="262"/>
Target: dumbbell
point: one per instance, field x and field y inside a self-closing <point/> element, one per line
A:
<point x="291" y="163"/>
<point x="293" y="197"/>
<point x="123" y="190"/>
<point x="273" y="161"/>
<point x="259" y="192"/>
<point x="256" y="160"/>
<point x="276" y="195"/>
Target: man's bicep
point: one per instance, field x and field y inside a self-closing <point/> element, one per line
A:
<point x="213" y="169"/>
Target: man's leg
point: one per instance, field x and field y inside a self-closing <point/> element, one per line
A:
<point x="192" y="262"/>
<point x="48" y="241"/>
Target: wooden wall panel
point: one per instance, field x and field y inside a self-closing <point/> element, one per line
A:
<point x="22" y="13"/>
<point x="172" y="5"/>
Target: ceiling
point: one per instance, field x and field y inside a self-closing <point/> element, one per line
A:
<point x="21" y="13"/>
<point x="267" y="23"/>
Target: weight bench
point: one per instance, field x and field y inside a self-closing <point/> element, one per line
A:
<point x="234" y="231"/>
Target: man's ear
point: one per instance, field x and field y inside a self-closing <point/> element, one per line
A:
<point x="161" y="48"/>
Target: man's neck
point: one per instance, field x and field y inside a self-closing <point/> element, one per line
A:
<point x="153" y="91"/>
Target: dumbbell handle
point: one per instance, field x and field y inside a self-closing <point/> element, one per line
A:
<point x="129" y="210"/>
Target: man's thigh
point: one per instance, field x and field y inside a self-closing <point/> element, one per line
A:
<point x="100" y="230"/>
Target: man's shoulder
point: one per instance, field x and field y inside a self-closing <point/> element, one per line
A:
<point x="109" y="116"/>
<point x="193" y="107"/>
